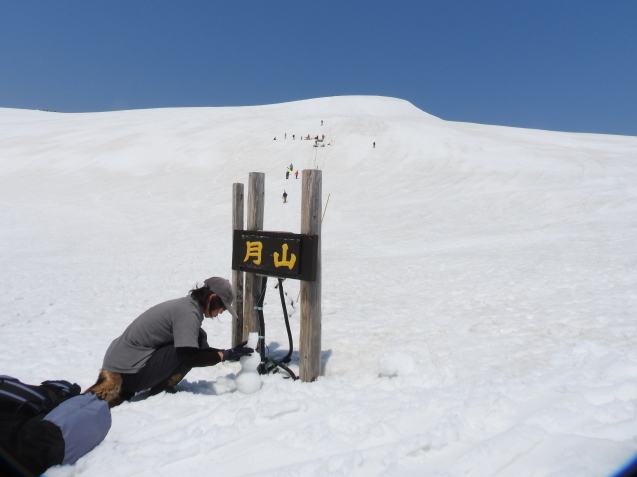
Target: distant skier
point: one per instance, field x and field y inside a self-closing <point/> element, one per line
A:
<point x="293" y="137"/>
<point x="274" y="138"/>
<point x="291" y="167"/>
<point x="285" y="136"/>
<point x="374" y="144"/>
<point x="285" y="196"/>
<point x="287" y="173"/>
<point x="296" y="174"/>
<point x="321" y="122"/>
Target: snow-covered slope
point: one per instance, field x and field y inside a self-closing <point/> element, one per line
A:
<point x="479" y="286"/>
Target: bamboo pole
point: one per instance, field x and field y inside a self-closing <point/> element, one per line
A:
<point x="310" y="342"/>
<point x="237" y="275"/>
<point x="325" y="209"/>
<point x="256" y="204"/>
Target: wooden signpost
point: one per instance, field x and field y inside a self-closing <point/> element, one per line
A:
<point x="252" y="287"/>
<point x="310" y="344"/>
<point x="237" y="275"/>
<point x="260" y="253"/>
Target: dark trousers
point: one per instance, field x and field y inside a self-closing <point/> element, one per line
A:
<point x="163" y="370"/>
<point x="163" y="365"/>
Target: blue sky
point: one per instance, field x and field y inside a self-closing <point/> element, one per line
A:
<point x="559" y="65"/>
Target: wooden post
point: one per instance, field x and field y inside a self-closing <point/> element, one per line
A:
<point x="237" y="275"/>
<point x="256" y="204"/>
<point x="310" y="343"/>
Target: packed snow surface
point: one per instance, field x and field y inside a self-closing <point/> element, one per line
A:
<point x="479" y="286"/>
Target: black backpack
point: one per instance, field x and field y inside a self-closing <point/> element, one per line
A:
<point x="46" y="425"/>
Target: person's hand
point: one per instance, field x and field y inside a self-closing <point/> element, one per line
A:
<point x="237" y="352"/>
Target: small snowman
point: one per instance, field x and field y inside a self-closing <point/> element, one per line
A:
<point x="248" y="379"/>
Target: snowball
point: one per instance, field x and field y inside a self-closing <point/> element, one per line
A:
<point x="395" y="364"/>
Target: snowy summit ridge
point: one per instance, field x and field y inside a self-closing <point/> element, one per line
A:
<point x="479" y="286"/>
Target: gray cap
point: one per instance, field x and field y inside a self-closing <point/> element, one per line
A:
<point x="222" y="288"/>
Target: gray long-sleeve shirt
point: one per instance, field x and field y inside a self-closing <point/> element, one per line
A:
<point x="174" y="321"/>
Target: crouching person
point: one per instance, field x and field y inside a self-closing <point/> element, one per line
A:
<point x="164" y="343"/>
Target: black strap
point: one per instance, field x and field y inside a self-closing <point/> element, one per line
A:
<point x="259" y="308"/>
<point x="19" y="396"/>
<point x="268" y="364"/>
<point x="288" y="356"/>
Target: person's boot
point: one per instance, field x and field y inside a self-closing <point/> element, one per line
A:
<point x="108" y="387"/>
<point x="167" y="385"/>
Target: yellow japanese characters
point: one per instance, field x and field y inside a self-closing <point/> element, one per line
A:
<point x="284" y="262"/>
<point x="253" y="249"/>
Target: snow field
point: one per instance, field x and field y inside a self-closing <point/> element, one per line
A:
<point x="479" y="283"/>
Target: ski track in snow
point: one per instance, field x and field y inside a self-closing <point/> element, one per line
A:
<point x="479" y="286"/>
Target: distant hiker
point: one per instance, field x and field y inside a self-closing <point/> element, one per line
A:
<point x="374" y="144"/>
<point x="285" y="196"/>
<point x="296" y="174"/>
<point x="164" y="343"/>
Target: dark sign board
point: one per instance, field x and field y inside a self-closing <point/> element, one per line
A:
<point x="275" y="254"/>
